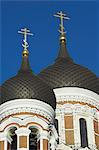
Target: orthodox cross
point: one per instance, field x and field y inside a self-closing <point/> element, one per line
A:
<point x="62" y="17"/>
<point x="25" y="32"/>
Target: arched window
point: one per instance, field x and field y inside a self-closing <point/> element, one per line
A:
<point x="33" y="145"/>
<point x="13" y="136"/>
<point x="83" y="132"/>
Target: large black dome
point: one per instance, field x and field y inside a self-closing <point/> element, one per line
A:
<point x="65" y="73"/>
<point x="26" y="85"/>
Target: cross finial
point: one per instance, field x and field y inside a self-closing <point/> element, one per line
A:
<point x="25" y="32"/>
<point x="62" y="16"/>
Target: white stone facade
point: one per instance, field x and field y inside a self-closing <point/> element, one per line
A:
<point x="86" y="106"/>
<point x="24" y="113"/>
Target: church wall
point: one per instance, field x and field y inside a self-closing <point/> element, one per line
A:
<point x="96" y="132"/>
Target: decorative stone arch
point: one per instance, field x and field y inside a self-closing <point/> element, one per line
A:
<point x="35" y="125"/>
<point x="8" y="127"/>
<point x="17" y="121"/>
<point x="39" y="122"/>
<point x="9" y="122"/>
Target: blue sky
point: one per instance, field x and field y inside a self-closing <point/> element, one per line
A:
<point x="82" y="33"/>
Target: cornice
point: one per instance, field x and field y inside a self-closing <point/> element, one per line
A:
<point x="71" y="94"/>
<point x="26" y="105"/>
<point x="77" y="109"/>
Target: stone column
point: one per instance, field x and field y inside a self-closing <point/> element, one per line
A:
<point x="53" y="143"/>
<point x="23" y="138"/>
<point x="62" y="128"/>
<point x="4" y="140"/>
<point x="43" y="140"/>
<point x="77" y="141"/>
<point x="90" y="129"/>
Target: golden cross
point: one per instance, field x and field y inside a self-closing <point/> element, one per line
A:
<point x="25" y="32"/>
<point x="62" y="17"/>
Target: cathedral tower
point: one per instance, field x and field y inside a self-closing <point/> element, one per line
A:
<point x="77" y="96"/>
<point x="27" y="109"/>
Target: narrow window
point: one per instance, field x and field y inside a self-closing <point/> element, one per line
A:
<point x="83" y="133"/>
<point x="56" y="126"/>
<point x="13" y="136"/>
<point x="33" y="139"/>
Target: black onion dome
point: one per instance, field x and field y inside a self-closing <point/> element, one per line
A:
<point x="65" y="73"/>
<point x="27" y="85"/>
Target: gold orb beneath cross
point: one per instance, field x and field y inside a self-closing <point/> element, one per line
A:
<point x="25" y="53"/>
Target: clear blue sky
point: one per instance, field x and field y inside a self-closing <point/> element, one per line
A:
<point x="82" y="33"/>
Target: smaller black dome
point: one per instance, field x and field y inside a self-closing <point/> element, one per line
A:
<point x="27" y="85"/>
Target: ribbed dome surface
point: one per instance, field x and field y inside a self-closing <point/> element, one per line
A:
<point x="65" y="73"/>
<point x="26" y="85"/>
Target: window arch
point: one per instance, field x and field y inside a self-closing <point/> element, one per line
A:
<point x="83" y="132"/>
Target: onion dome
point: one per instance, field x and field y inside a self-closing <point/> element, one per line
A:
<point x="65" y="73"/>
<point x="26" y="85"/>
